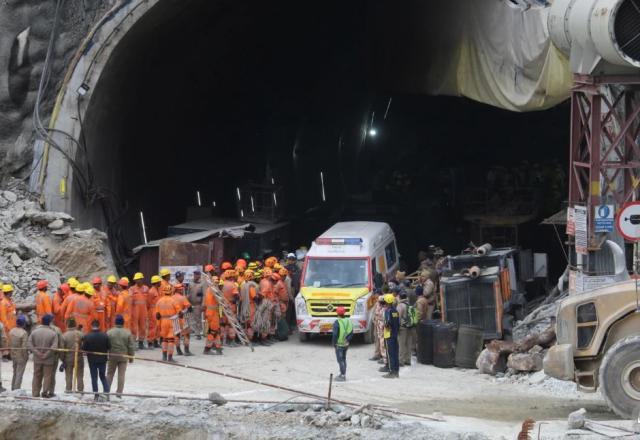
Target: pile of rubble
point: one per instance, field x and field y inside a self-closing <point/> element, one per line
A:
<point x="337" y="415"/>
<point x="37" y="244"/>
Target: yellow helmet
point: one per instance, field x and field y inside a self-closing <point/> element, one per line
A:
<point x="72" y="282"/>
<point x="154" y="279"/>
<point x="277" y="267"/>
<point x="138" y="276"/>
<point x="7" y="288"/>
<point x="165" y="272"/>
<point x="112" y="279"/>
<point x="89" y="290"/>
<point x="389" y="298"/>
<point x="80" y="287"/>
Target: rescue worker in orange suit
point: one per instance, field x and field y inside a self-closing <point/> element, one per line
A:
<point x="166" y="288"/>
<point x="232" y="296"/>
<point x="248" y="291"/>
<point x="139" y="294"/>
<point x="76" y="289"/>
<point x="210" y="270"/>
<point x="184" y="306"/>
<point x="43" y="301"/>
<point x="58" y="299"/>
<point x="212" y="314"/>
<point x="282" y="293"/>
<point x="166" y="309"/>
<point x="268" y="296"/>
<point x="280" y="301"/>
<point x="124" y="304"/>
<point x="101" y="304"/>
<point x="112" y="299"/>
<point x="7" y="309"/>
<point x="152" y="300"/>
<point x="82" y="309"/>
<point x="226" y="266"/>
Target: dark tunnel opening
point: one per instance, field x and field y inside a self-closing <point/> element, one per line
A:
<point x="207" y="96"/>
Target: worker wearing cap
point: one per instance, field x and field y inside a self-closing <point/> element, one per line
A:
<point x="76" y="289"/>
<point x="232" y="296"/>
<point x="391" y="330"/>
<point x="43" y="301"/>
<point x="166" y="288"/>
<point x="139" y="313"/>
<point x="112" y="299"/>
<point x="125" y="303"/>
<point x="195" y="295"/>
<point x="82" y="310"/>
<point x="247" y="309"/>
<point x="184" y="306"/>
<point x="268" y="297"/>
<point x="72" y="341"/>
<point x="152" y="300"/>
<point x="166" y="311"/>
<point x="19" y="355"/>
<point x="58" y="300"/>
<point x="212" y="314"/>
<point x="101" y="303"/>
<point x="8" y="308"/>
<point x="341" y="337"/>
<point x="42" y="342"/>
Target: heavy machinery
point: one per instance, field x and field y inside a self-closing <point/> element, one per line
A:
<point x="598" y="334"/>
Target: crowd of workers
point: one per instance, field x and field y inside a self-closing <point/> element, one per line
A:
<point x="250" y="302"/>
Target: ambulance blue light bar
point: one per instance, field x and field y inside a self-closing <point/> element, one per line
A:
<point x="339" y="241"/>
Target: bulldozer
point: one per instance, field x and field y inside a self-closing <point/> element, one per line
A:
<point x="598" y="345"/>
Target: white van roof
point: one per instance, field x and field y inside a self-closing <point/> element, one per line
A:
<point x="351" y="239"/>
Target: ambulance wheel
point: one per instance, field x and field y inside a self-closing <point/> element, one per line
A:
<point x="620" y="376"/>
<point x="304" y="337"/>
<point x="369" y="337"/>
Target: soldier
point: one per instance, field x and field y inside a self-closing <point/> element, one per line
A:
<point x="380" y="353"/>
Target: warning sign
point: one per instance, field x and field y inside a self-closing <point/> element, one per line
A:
<point x="582" y="236"/>
<point x="628" y="221"/>
<point x="603" y="218"/>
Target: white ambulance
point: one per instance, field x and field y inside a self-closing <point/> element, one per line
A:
<point x="339" y="271"/>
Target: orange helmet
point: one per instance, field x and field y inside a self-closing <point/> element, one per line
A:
<point x="209" y="268"/>
<point x="276" y="276"/>
<point x="97" y="280"/>
<point x="230" y="273"/>
<point x="267" y="272"/>
<point x="283" y="272"/>
<point x="179" y="287"/>
<point x="124" y="282"/>
<point x="226" y="266"/>
<point x="270" y="262"/>
<point x="42" y="284"/>
<point x="241" y="262"/>
<point x="240" y="269"/>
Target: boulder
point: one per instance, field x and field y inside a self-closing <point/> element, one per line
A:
<point x="10" y="196"/>
<point x="525" y="361"/>
<point x="16" y="260"/>
<point x="577" y="418"/>
<point x="491" y="362"/>
<point x="56" y="224"/>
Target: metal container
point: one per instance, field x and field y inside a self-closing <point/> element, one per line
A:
<point x="444" y="344"/>
<point x="468" y="346"/>
<point x="425" y="340"/>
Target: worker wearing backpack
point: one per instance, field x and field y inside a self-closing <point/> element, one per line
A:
<point x="408" y="321"/>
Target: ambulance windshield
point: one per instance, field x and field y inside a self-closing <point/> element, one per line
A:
<point x="342" y="272"/>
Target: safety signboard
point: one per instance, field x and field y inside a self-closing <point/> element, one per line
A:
<point x="582" y="240"/>
<point x="571" y="221"/>
<point x="603" y="216"/>
<point x="628" y="221"/>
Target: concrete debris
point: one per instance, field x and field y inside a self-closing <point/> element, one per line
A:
<point x="577" y="418"/>
<point x="37" y="244"/>
<point x="525" y="361"/>
<point x="217" y="399"/>
<point x="491" y="362"/>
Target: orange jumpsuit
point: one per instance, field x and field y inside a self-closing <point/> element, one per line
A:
<point x="101" y="306"/>
<point x="152" y="300"/>
<point x="124" y="306"/>
<point x="231" y="294"/>
<point x="112" y="305"/>
<point x="8" y="314"/>
<point x="183" y="303"/>
<point x="139" y="312"/>
<point x="166" y="288"/>
<point x="249" y="290"/>
<point x="166" y="307"/>
<point x="267" y="290"/>
<point x="83" y="311"/>
<point x="58" y="314"/>
<point x="43" y="304"/>
<point x="66" y="303"/>
<point x="282" y="295"/>
<point x="212" y="313"/>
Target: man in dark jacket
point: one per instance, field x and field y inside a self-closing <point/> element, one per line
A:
<point x="342" y="335"/>
<point x="97" y="342"/>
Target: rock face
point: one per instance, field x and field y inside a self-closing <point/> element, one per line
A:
<point x="31" y="249"/>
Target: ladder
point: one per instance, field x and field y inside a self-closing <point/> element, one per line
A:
<point x="229" y="315"/>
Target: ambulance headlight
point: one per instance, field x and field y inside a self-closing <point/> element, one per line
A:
<point x="301" y="306"/>
<point x="361" y="307"/>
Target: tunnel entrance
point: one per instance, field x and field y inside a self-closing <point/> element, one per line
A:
<point x="207" y="96"/>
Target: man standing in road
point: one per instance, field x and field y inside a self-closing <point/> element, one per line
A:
<point x="97" y="342"/>
<point x="342" y="335"/>
<point x="391" y="327"/>
<point x="195" y="295"/>
<point x="121" y="342"/>
<point x="72" y="340"/>
<point x="42" y="342"/>
<point x="18" y="340"/>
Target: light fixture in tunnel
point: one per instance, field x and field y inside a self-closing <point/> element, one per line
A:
<point x="373" y="132"/>
<point x="275" y="200"/>
<point x="83" y="89"/>
<point x="242" y="213"/>
<point x="273" y="181"/>
<point x="238" y="193"/>
<point x="324" y="196"/>
<point x="144" y="229"/>
<point x="199" y="200"/>
<point x="253" y="208"/>
<point x="213" y="203"/>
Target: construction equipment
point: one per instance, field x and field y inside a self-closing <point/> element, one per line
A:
<point x="229" y="315"/>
